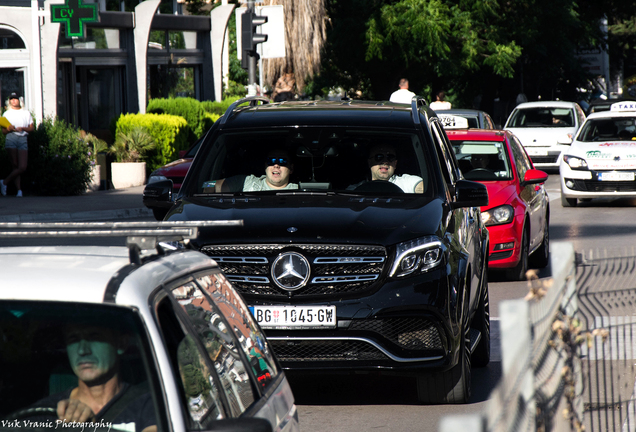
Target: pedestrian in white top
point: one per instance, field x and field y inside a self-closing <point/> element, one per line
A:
<point x="16" y="141"/>
<point x="403" y="95"/>
<point x="441" y="103"/>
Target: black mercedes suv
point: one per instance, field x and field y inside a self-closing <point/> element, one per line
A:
<point x="362" y="247"/>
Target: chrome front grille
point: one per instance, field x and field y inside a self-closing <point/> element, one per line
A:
<point x="335" y="269"/>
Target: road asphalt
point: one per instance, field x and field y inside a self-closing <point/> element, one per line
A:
<point x="113" y="204"/>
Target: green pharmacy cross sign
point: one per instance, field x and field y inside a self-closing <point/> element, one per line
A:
<point x="75" y="15"/>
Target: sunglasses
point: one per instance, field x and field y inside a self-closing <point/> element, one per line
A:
<point x="277" y="161"/>
<point x="390" y="157"/>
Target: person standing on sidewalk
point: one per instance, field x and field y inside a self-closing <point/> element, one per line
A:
<point x="16" y="141"/>
<point x="403" y="94"/>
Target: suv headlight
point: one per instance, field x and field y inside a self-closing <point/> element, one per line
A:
<point x="498" y="215"/>
<point x="576" y="163"/>
<point x="418" y="255"/>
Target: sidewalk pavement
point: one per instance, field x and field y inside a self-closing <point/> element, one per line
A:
<point x="114" y="204"/>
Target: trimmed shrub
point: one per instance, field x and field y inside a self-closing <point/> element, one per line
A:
<point x="169" y="132"/>
<point x="219" y="107"/>
<point x="188" y="108"/>
<point x="59" y="160"/>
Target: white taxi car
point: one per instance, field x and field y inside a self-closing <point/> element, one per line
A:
<point x="164" y="332"/>
<point x="601" y="162"/>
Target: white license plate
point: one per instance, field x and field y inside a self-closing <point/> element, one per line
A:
<point x="277" y="317"/>
<point x="616" y="176"/>
<point x="536" y="152"/>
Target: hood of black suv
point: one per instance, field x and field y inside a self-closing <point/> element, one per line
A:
<point x="324" y="219"/>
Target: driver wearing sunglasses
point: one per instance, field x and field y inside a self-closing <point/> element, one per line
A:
<point x="278" y="170"/>
<point x="383" y="161"/>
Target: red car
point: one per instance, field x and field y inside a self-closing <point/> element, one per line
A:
<point x="175" y="171"/>
<point x="518" y="213"/>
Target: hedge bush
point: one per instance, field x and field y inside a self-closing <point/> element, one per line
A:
<point x="59" y="160"/>
<point x="188" y="108"/>
<point x="219" y="107"/>
<point x="170" y="133"/>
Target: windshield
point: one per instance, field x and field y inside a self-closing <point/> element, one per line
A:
<point x="313" y="160"/>
<point x="483" y="160"/>
<point x="48" y="350"/>
<point x="542" y="117"/>
<point x="609" y="129"/>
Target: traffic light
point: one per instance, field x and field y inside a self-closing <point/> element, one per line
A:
<point x="249" y="37"/>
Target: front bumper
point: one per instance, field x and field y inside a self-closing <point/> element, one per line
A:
<point x="585" y="184"/>
<point x="544" y="157"/>
<point x="406" y="325"/>
<point x="500" y="255"/>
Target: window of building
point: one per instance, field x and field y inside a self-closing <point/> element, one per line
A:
<point x="96" y="38"/>
<point x="10" y="40"/>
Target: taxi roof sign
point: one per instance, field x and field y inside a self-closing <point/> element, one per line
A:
<point x="453" y="122"/>
<point x="623" y="106"/>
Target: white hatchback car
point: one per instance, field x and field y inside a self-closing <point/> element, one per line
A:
<point x="601" y="162"/>
<point x="165" y="332"/>
<point x="545" y="128"/>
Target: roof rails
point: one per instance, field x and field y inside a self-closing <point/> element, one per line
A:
<point x="416" y="103"/>
<point x="139" y="235"/>
<point x="251" y="99"/>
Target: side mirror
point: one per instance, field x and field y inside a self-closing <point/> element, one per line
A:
<point x="158" y="195"/>
<point x="470" y="194"/>
<point x="534" y="176"/>
<point x="564" y="140"/>
<point x="182" y="153"/>
<point x="253" y="424"/>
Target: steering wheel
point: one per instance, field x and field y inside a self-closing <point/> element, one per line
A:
<point x="480" y="174"/>
<point x="32" y="412"/>
<point x="379" y="186"/>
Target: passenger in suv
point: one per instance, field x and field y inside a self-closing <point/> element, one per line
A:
<point x="369" y="278"/>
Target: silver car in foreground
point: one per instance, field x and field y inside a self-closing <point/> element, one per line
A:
<point x="189" y="355"/>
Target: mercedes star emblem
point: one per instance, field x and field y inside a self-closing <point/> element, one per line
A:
<point x="290" y="271"/>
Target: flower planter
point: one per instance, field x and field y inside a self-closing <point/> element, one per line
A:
<point x="128" y="174"/>
<point x="96" y="178"/>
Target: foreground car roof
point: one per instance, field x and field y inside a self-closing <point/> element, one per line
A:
<point x="65" y="273"/>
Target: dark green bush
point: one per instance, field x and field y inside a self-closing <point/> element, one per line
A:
<point x="188" y="108"/>
<point x="59" y="161"/>
<point x="170" y="133"/>
<point x="219" y="107"/>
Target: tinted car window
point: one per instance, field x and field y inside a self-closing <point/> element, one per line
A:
<point x="542" y="117"/>
<point x="214" y="333"/>
<point x="40" y="345"/>
<point x="605" y="129"/>
<point x="492" y="156"/>
<point x="521" y="159"/>
<point x="241" y="321"/>
<point x="330" y="159"/>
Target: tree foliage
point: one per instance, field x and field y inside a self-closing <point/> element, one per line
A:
<point x="476" y="50"/>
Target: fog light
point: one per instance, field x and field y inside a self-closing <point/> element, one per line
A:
<point x="569" y="184"/>
<point x="504" y="246"/>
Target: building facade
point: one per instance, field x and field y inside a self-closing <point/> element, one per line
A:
<point x="121" y="61"/>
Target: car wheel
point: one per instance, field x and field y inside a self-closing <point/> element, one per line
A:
<point x="481" y="322"/>
<point x="541" y="257"/>
<point x="452" y="386"/>
<point x="567" y="202"/>
<point x="518" y="272"/>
